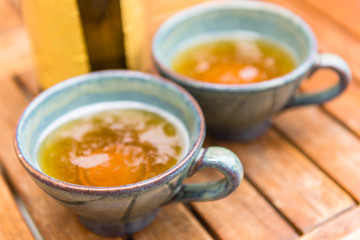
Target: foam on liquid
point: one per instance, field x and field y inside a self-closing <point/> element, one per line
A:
<point x="238" y="57"/>
<point x="111" y="144"/>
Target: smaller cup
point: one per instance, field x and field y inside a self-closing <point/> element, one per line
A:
<point x="123" y="210"/>
<point x="244" y="111"/>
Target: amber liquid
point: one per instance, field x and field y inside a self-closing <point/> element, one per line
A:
<point x="234" y="61"/>
<point x="112" y="148"/>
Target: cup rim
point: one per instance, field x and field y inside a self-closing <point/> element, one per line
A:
<point x="201" y="8"/>
<point x="143" y="185"/>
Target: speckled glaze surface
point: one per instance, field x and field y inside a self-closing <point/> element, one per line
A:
<point x="123" y="210"/>
<point x="244" y="111"/>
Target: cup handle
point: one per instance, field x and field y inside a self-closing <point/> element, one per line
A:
<point x="220" y="159"/>
<point x="335" y="63"/>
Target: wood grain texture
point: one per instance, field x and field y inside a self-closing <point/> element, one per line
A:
<point x="12" y="224"/>
<point x="330" y="145"/>
<point x="345" y="227"/>
<point x="331" y="36"/>
<point x="346" y="108"/>
<point x="243" y="215"/>
<point x="173" y="222"/>
<point x="338" y="155"/>
<point x="290" y="181"/>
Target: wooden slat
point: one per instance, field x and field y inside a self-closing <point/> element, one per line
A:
<point x="341" y="149"/>
<point x="15" y="52"/>
<point x="346" y="13"/>
<point x="12" y="224"/>
<point x="9" y="17"/>
<point x="290" y="180"/>
<point x="173" y="222"/>
<point x="243" y="215"/>
<point x="345" y="227"/>
<point x="331" y="36"/>
<point x="338" y="156"/>
<point x="329" y="144"/>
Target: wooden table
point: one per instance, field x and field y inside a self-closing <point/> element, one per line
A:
<point x="302" y="177"/>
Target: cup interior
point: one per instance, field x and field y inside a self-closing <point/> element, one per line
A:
<point x="105" y="86"/>
<point x="213" y="19"/>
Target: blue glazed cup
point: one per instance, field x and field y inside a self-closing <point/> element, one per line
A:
<point x="123" y="210"/>
<point x="244" y="111"/>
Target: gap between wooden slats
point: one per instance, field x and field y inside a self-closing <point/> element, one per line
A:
<point x="340" y="145"/>
<point x="290" y="181"/>
<point x="13" y="225"/>
<point x="344" y="108"/>
<point x="244" y="215"/>
<point x="335" y="149"/>
<point x="343" y="227"/>
<point x="29" y="223"/>
<point x="7" y="12"/>
<point x="11" y="36"/>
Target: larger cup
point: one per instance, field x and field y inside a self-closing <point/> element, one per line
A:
<point x="123" y="210"/>
<point x="244" y="111"/>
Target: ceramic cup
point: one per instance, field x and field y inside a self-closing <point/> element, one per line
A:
<point x="244" y="111"/>
<point x="123" y="210"/>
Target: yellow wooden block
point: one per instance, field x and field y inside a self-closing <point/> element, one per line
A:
<point x="58" y="43"/>
<point x="135" y="35"/>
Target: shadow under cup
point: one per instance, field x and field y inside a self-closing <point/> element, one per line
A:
<point x="243" y="111"/>
<point x="110" y="210"/>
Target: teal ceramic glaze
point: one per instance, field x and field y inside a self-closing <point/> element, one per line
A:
<point x="123" y="210"/>
<point x="244" y="111"/>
